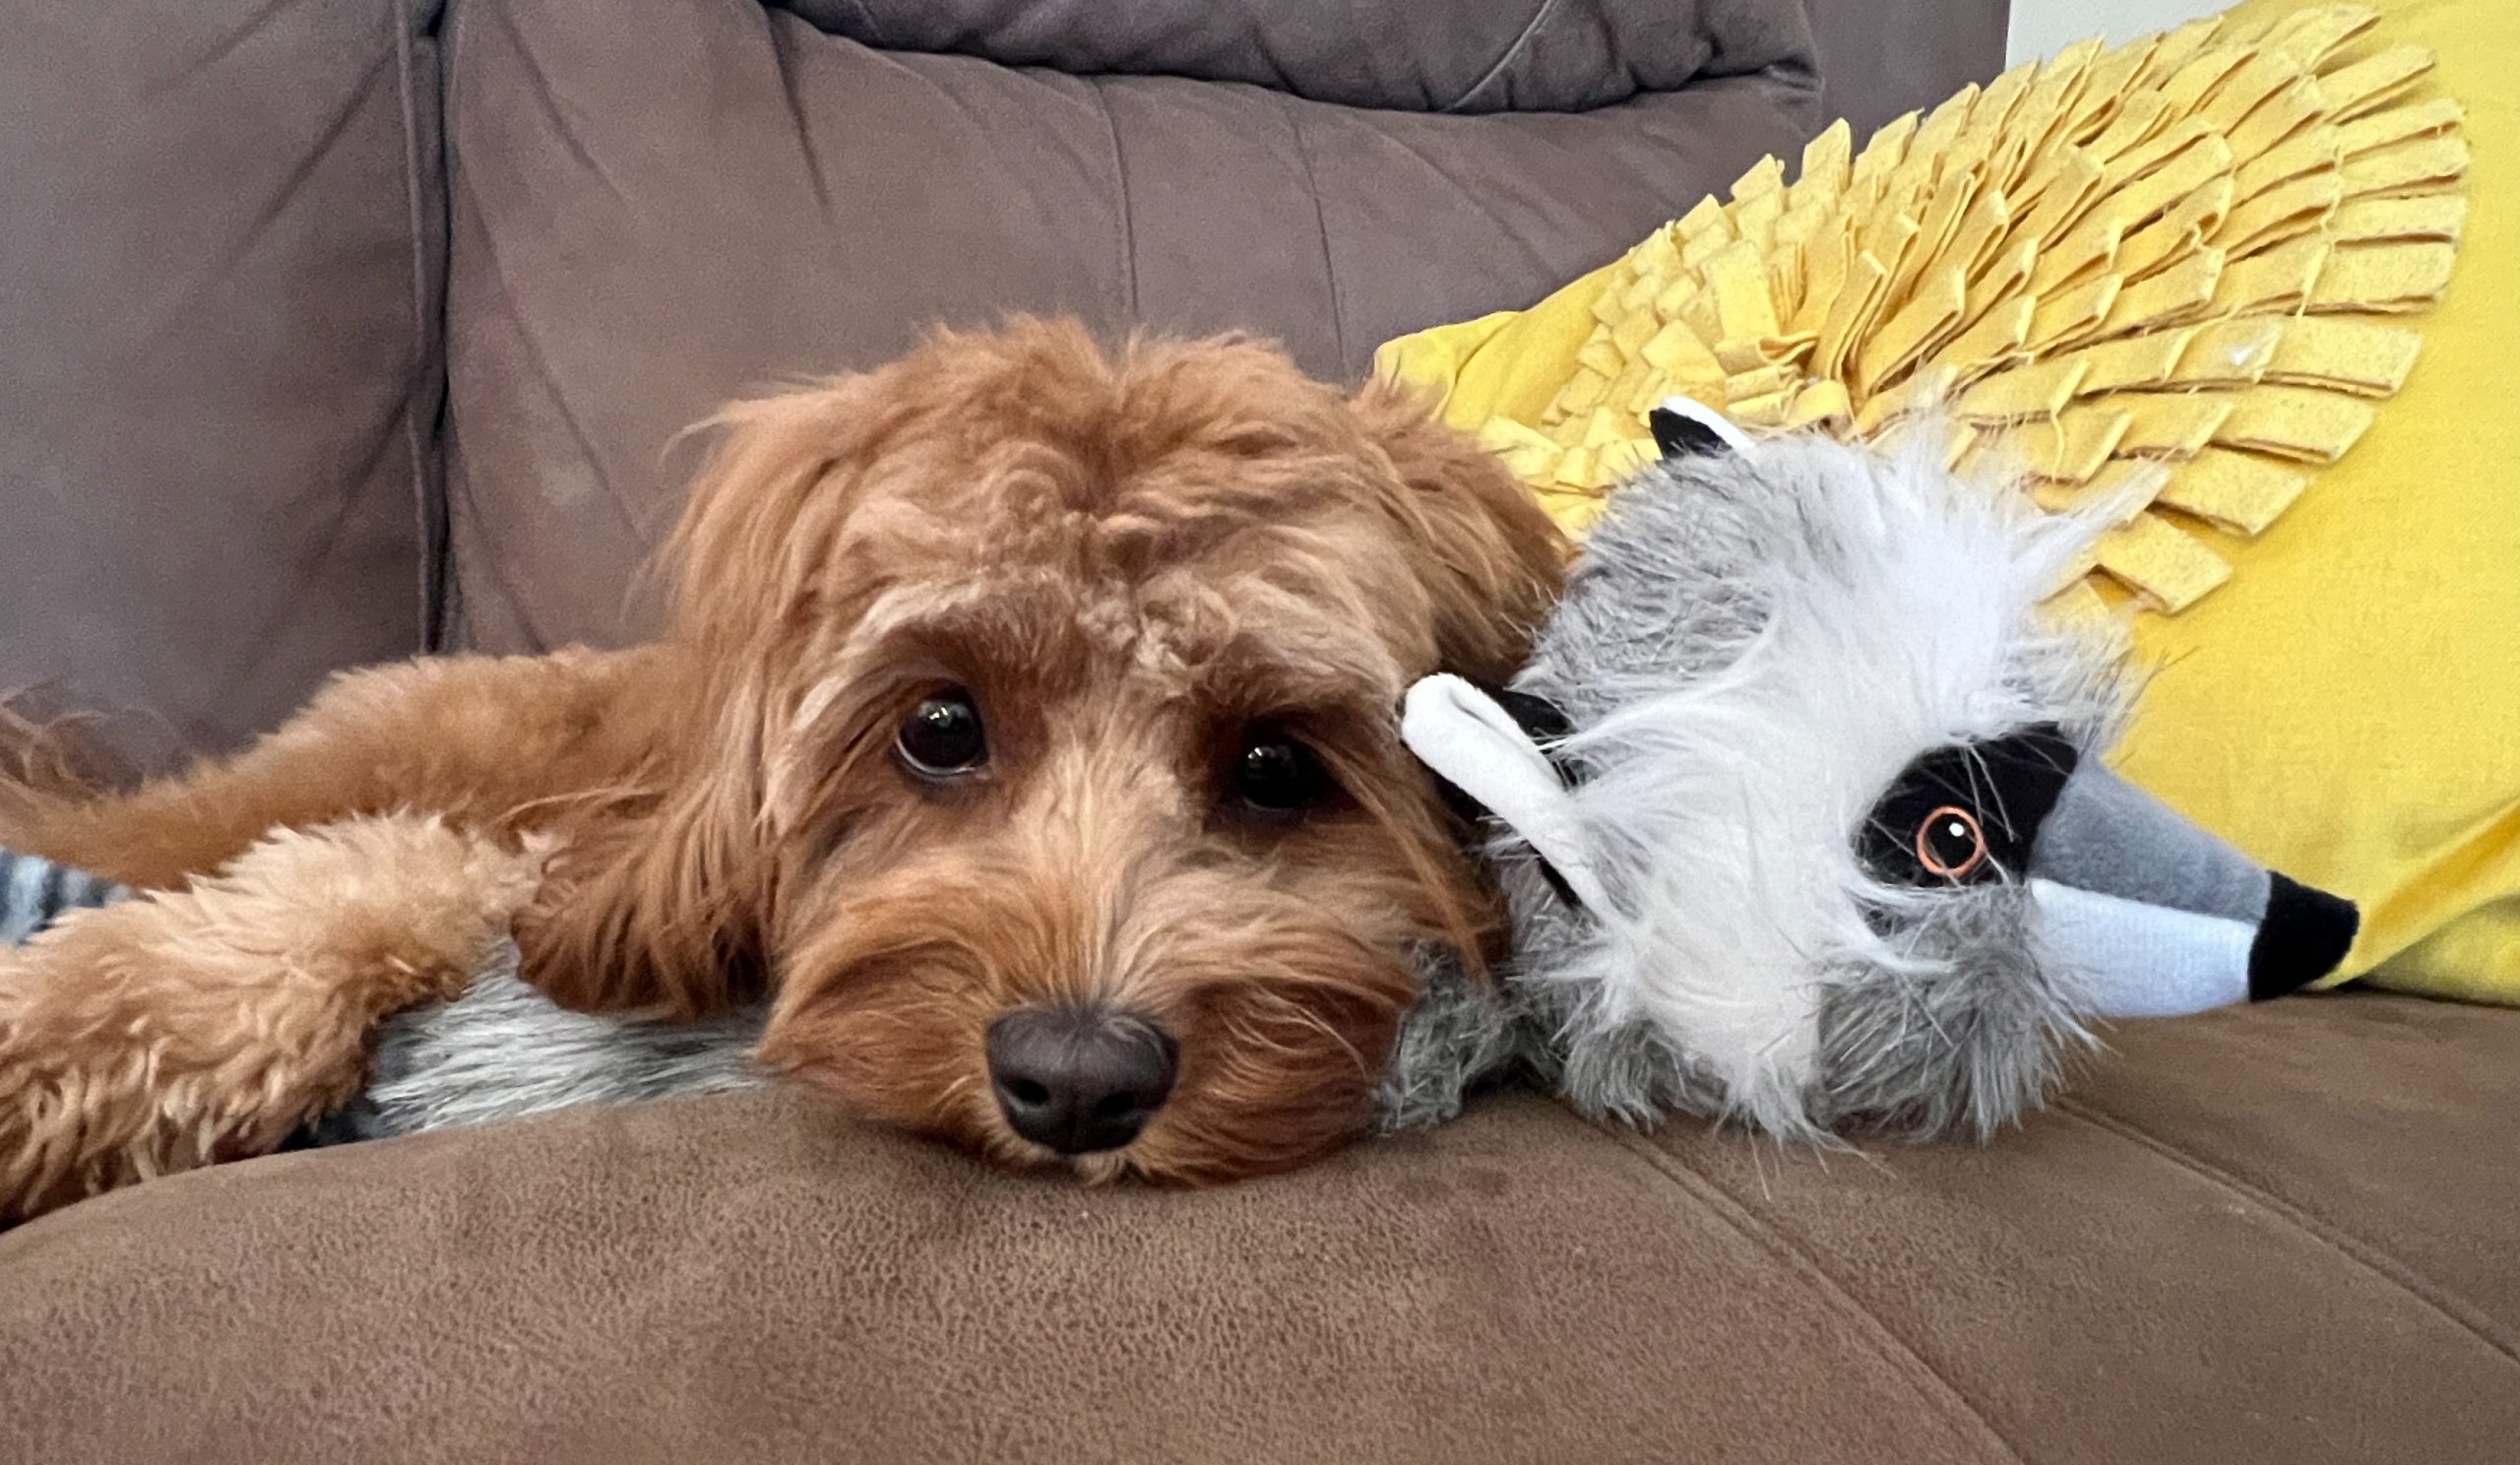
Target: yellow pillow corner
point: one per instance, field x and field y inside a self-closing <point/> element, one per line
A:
<point x="1506" y="364"/>
<point x="2348" y="708"/>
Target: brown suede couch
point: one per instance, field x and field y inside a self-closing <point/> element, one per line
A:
<point x="338" y="330"/>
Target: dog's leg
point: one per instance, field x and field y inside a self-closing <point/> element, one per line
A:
<point x="182" y="1028"/>
<point x="480" y="740"/>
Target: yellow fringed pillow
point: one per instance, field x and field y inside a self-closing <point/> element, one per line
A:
<point x="2264" y="206"/>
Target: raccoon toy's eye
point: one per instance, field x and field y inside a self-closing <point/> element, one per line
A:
<point x="1967" y="813"/>
<point x="1950" y="843"/>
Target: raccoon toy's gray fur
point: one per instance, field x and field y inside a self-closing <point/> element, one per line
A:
<point x="1801" y="817"/>
<point x="502" y="1050"/>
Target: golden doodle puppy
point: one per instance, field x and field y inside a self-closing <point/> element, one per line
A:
<point x="1025" y="729"/>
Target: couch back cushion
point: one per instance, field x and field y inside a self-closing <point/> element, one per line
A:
<point x="1879" y="58"/>
<point x="223" y="280"/>
<point x="218" y="284"/>
<point x="660" y="203"/>
<point x="1451" y="56"/>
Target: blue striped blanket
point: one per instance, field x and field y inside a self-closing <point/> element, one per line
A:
<point x="33" y="893"/>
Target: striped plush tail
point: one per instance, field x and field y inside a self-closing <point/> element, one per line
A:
<point x="33" y="894"/>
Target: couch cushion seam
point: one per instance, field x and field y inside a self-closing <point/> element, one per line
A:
<point x="428" y="500"/>
<point x="1128" y="217"/>
<point x="452" y="33"/>
<point x="1321" y="225"/>
<point x="1927" y="1380"/>
<point x="547" y="96"/>
<point x="1513" y="52"/>
<point x="867" y="17"/>
<point x="783" y="60"/>
<point x="2371" y="1259"/>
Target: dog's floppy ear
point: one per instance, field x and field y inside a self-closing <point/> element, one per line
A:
<point x="658" y="899"/>
<point x="1492" y="560"/>
<point x="656" y="911"/>
<point x="765" y="508"/>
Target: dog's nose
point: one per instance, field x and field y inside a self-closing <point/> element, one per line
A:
<point x="1075" y="1080"/>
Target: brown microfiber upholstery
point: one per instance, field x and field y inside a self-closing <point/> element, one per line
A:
<point x="2276" y="1234"/>
<point x="219" y="376"/>
<point x="658" y="204"/>
<point x="1879" y="58"/>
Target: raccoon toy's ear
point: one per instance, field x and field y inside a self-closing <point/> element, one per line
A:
<point x="1687" y="428"/>
<point x="1474" y="742"/>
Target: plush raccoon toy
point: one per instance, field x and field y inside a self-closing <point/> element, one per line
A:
<point x="1801" y="813"/>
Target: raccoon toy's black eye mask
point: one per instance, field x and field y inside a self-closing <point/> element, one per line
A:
<point x="1542" y="719"/>
<point x="2154" y="915"/>
<point x="1968" y="814"/>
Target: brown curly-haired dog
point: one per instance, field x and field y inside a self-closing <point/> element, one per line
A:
<point x="1026" y="726"/>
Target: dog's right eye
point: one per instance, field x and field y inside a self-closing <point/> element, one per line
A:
<point x="1277" y="776"/>
<point x="943" y="737"/>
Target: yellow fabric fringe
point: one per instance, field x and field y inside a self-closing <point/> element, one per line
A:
<point x="2180" y="264"/>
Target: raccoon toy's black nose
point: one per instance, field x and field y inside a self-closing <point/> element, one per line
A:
<point x="1078" y="1081"/>
<point x="2304" y="936"/>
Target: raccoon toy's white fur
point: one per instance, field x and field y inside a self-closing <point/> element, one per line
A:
<point x="1790" y="684"/>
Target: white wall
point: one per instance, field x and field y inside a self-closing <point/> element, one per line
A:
<point x="2042" y="28"/>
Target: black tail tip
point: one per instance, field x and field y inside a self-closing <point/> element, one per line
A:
<point x="2304" y="936"/>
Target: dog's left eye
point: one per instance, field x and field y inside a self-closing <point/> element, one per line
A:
<point x="1277" y="774"/>
<point x="943" y="736"/>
